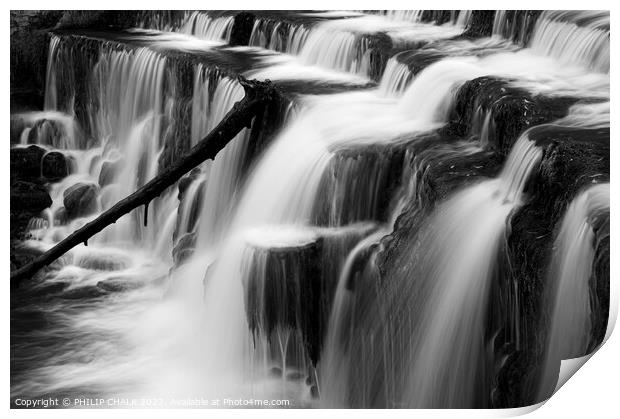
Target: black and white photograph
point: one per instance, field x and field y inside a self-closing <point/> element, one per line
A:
<point x="300" y="209"/>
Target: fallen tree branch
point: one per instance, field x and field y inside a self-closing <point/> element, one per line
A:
<point x="240" y="116"/>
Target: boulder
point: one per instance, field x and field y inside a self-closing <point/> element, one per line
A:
<point x="46" y="131"/>
<point x="108" y="170"/>
<point x="184" y="248"/>
<point x="80" y="199"/>
<point x="54" y="166"/>
<point x="60" y="216"/>
<point x="27" y="200"/>
<point x="29" y="197"/>
<point x="26" y="162"/>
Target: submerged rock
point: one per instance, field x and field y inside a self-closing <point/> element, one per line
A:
<point x="108" y="171"/>
<point x="101" y="261"/>
<point x="80" y="199"/>
<point x="184" y="248"/>
<point x="119" y="284"/>
<point x="46" y="131"/>
<point x="87" y="292"/>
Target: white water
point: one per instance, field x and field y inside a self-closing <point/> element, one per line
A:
<point x="189" y="334"/>
<point x="466" y="234"/>
<point x="395" y="78"/>
<point x="570" y="326"/>
<point x="204" y="26"/>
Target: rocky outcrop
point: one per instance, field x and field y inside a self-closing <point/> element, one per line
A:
<point x="29" y="47"/>
<point x="242" y="28"/>
<point x="80" y="199"/>
<point x="26" y="162"/>
<point x="512" y="109"/>
<point x="481" y="24"/>
<point x="28" y="199"/>
<point x="573" y="159"/>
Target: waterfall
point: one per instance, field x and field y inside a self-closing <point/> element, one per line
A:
<point x="466" y="234"/>
<point x="345" y="250"/>
<point x="574" y="37"/>
<point x="223" y="177"/>
<point x="204" y="26"/>
<point x="279" y="36"/>
<point x="51" y="100"/>
<point x="395" y="78"/>
<point x="571" y="268"/>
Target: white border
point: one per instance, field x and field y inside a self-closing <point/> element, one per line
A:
<point x="592" y="393"/>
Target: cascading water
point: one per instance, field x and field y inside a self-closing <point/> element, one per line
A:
<point x="466" y="235"/>
<point x="206" y="27"/>
<point x="569" y="276"/>
<point x="264" y="276"/>
<point x="395" y="78"/>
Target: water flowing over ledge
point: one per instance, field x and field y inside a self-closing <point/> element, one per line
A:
<point x="402" y="226"/>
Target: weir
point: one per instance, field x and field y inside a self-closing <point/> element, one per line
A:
<point x="390" y="232"/>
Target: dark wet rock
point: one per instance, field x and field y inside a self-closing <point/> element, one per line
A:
<point x="80" y="199"/>
<point x="18" y="124"/>
<point x="22" y="255"/>
<point x="120" y="284"/>
<point x="29" y="49"/>
<point x="242" y="28"/>
<point x="27" y="201"/>
<point x="379" y="52"/>
<point x="513" y="110"/>
<point x="439" y="17"/>
<point x="481" y="24"/>
<point x="177" y="138"/>
<point x="275" y="372"/>
<point x="184" y="248"/>
<point x="54" y="166"/>
<point x="284" y="295"/>
<point x="314" y="392"/>
<point x="29" y="197"/>
<point x="573" y="159"/>
<point x="26" y="162"/>
<point x="81" y="293"/>
<point x="108" y="170"/>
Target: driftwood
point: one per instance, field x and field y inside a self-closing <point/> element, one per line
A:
<point x="240" y="116"/>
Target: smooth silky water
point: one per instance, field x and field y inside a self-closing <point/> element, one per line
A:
<point x="183" y="330"/>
